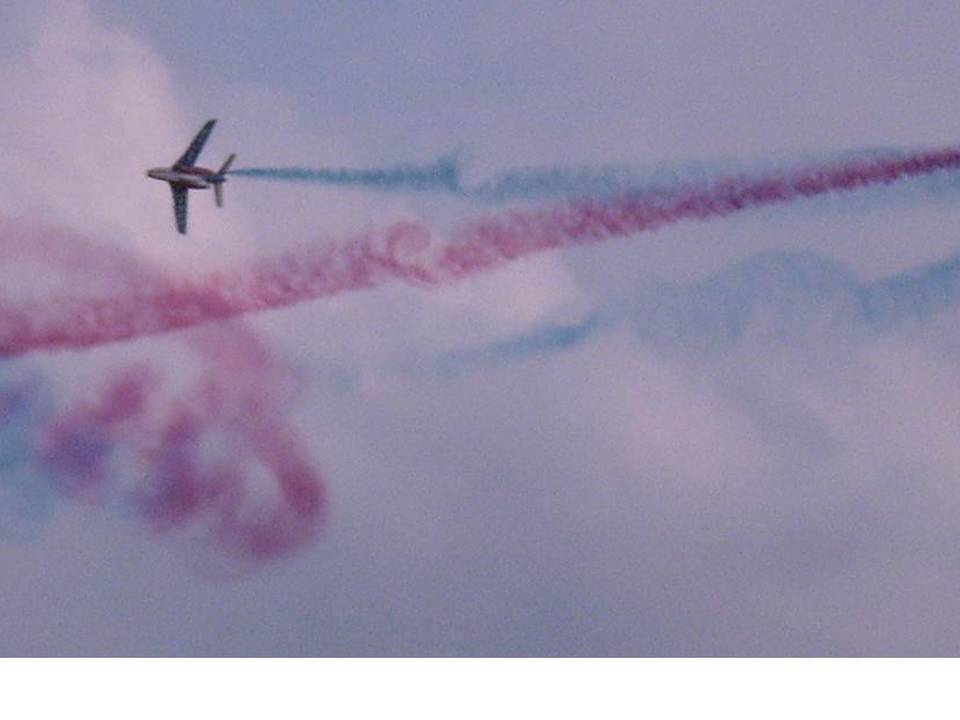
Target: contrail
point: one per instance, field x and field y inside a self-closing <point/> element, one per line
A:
<point x="409" y="252"/>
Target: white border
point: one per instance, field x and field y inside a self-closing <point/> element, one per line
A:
<point x="487" y="689"/>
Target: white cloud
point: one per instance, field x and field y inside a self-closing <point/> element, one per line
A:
<point x="774" y="492"/>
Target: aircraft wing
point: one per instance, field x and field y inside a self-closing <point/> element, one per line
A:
<point x="180" y="208"/>
<point x="191" y="154"/>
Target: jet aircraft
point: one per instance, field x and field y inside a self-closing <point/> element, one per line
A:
<point x="185" y="176"/>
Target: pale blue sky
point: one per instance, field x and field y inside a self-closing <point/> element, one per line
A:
<point x="699" y="441"/>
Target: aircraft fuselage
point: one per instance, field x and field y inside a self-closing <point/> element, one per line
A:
<point x="195" y="178"/>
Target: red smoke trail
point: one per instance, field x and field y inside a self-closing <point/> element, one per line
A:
<point x="233" y="403"/>
<point x="214" y="456"/>
<point x="239" y="394"/>
<point x="406" y="252"/>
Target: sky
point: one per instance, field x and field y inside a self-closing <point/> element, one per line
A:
<point x="730" y="436"/>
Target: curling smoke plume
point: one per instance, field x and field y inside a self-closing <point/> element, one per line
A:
<point x="197" y="452"/>
<point x="409" y="252"/>
<point x="211" y="455"/>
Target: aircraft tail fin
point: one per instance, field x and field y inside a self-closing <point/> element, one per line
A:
<point x="225" y="168"/>
<point x="221" y="178"/>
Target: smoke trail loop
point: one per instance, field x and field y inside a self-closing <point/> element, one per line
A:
<point x="235" y="407"/>
<point x="186" y="456"/>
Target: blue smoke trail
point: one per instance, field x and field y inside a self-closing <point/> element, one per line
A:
<point x="558" y="184"/>
<point x="600" y="181"/>
<point x="26" y="497"/>
<point x="446" y="176"/>
<point x="796" y="296"/>
<point x="442" y="175"/>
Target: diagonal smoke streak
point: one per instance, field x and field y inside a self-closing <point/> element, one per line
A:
<point x="407" y="252"/>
